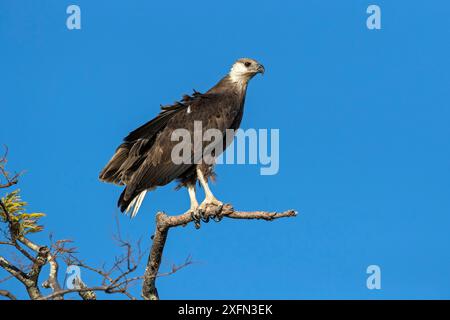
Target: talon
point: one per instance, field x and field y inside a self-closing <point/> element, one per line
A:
<point x="204" y="216"/>
<point x="200" y="213"/>
<point x="217" y="211"/>
<point x="196" y="216"/>
<point x="217" y="216"/>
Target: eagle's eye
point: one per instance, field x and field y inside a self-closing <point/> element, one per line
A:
<point x="247" y="64"/>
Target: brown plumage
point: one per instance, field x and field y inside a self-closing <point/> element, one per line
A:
<point x="143" y="161"/>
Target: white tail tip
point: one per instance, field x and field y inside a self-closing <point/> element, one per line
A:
<point x="135" y="204"/>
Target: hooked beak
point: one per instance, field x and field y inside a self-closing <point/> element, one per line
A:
<point x="260" y="69"/>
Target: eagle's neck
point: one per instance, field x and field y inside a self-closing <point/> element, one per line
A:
<point x="232" y="85"/>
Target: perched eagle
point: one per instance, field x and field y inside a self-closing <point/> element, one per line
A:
<point x="143" y="161"/>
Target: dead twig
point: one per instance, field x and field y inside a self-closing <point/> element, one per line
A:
<point x="7" y="294"/>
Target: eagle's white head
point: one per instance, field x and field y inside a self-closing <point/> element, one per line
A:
<point x="244" y="69"/>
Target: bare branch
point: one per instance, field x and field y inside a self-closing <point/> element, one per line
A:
<point x="6" y="278"/>
<point x="75" y="290"/>
<point x="165" y="222"/>
<point x="14" y="271"/>
<point x="40" y="261"/>
<point x="115" y="279"/>
<point x="30" y="285"/>
<point x="7" y="294"/>
<point x="176" y="268"/>
<point x="52" y="281"/>
<point x="9" y="181"/>
<point x="84" y="294"/>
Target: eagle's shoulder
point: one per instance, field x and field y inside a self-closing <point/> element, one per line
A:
<point x="152" y="127"/>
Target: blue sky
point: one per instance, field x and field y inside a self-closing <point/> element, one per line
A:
<point x="364" y="137"/>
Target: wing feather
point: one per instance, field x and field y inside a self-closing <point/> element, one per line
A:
<point x="143" y="161"/>
<point x="212" y="110"/>
<point x="128" y="156"/>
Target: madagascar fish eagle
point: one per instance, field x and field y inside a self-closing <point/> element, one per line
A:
<point x="143" y="161"/>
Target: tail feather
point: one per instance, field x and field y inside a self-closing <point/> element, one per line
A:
<point x="136" y="205"/>
<point x="133" y="204"/>
<point x="113" y="171"/>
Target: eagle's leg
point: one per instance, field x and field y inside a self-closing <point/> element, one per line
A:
<point x="193" y="210"/>
<point x="209" y="197"/>
<point x="194" y="203"/>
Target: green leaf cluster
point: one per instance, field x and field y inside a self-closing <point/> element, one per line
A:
<point x="24" y="222"/>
